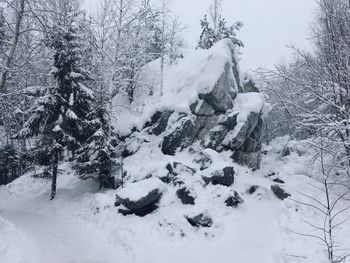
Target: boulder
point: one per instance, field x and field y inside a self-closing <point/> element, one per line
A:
<point x="139" y="212"/>
<point x="234" y="200"/>
<point x="279" y="192"/>
<point x="200" y="220"/>
<point x="185" y="195"/>
<point x="181" y="136"/>
<point x="286" y="151"/>
<point x="252" y="189"/>
<point x="177" y="168"/>
<point x="221" y="177"/>
<point x="140" y="197"/>
<point x="203" y="159"/>
<point x="278" y="180"/>
<point x="177" y="172"/>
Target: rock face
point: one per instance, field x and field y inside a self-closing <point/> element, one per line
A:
<point x="227" y="116"/>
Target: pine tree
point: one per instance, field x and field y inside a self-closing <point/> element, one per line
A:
<point x="57" y="119"/>
<point x="97" y="158"/>
<point x="209" y="36"/>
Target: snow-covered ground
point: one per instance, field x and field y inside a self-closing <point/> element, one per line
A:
<point x="82" y="225"/>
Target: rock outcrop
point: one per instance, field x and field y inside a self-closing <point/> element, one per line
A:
<point x="225" y="115"/>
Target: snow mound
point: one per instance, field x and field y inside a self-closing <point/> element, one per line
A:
<point x="138" y="190"/>
<point x="245" y="103"/>
<point x="14" y="245"/>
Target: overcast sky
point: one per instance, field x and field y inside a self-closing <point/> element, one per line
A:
<point x="269" y="25"/>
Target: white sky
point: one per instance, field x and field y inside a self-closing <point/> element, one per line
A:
<point x="269" y="26"/>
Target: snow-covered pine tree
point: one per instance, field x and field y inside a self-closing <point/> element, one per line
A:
<point x="57" y="119"/>
<point x="217" y="29"/>
<point x="97" y="159"/>
<point x="207" y="38"/>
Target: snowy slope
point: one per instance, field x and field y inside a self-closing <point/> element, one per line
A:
<point x="82" y="224"/>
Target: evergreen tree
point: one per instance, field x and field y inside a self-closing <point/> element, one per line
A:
<point x="97" y="158"/>
<point x="209" y="36"/>
<point x="58" y="118"/>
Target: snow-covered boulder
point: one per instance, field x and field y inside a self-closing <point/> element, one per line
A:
<point x="140" y="198"/>
<point x="200" y="220"/>
<point x="279" y="192"/>
<point x="222" y="177"/>
<point x="234" y="200"/>
<point x="178" y="173"/>
<point x="186" y="196"/>
<point x="203" y="159"/>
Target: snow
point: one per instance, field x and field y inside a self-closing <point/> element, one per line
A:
<point x="138" y="190"/>
<point x="82" y="224"/>
<point x="245" y="103"/>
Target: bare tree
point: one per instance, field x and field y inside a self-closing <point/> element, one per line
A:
<point x="215" y="11"/>
<point x="331" y="204"/>
<point x="19" y="11"/>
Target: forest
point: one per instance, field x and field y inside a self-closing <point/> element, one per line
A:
<point x="120" y="143"/>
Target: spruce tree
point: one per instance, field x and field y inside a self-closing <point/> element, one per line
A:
<point x="96" y="159"/>
<point x="209" y="36"/>
<point x="57" y="119"/>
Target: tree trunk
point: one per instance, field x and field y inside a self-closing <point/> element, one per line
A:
<point x="54" y="175"/>
<point x="11" y="53"/>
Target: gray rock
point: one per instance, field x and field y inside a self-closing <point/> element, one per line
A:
<point x="205" y="125"/>
<point x="202" y="108"/>
<point x="252" y="189"/>
<point x="250" y="86"/>
<point x="175" y="170"/>
<point x="185" y="196"/>
<point x="221" y="97"/>
<point x="200" y="221"/>
<point x="203" y="159"/>
<point x="221" y="177"/>
<point x="286" y="151"/>
<point x="234" y="200"/>
<point x="215" y="138"/>
<point x="139" y="212"/>
<point x="159" y="122"/>
<point x="236" y="137"/>
<point x="279" y="192"/>
<point x="229" y="121"/>
<point x="278" y="180"/>
<point x="151" y="198"/>
<point x="250" y="159"/>
<point x="181" y="137"/>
